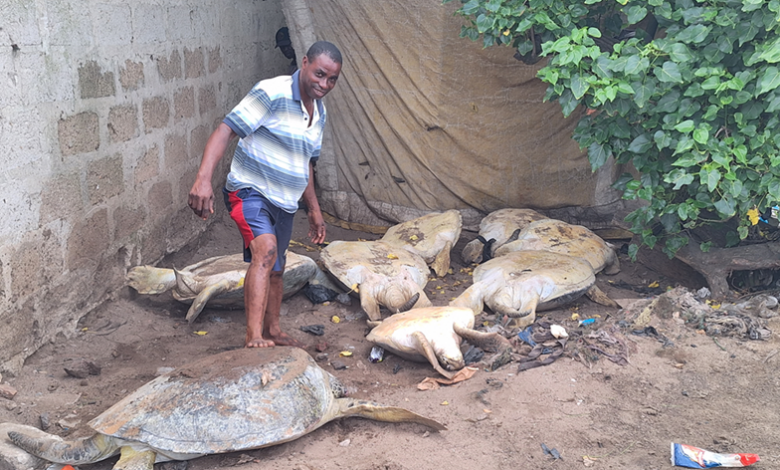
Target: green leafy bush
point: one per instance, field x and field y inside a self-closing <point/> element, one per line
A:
<point x="692" y="107"/>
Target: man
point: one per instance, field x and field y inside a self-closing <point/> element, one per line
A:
<point x="285" y="45"/>
<point x="280" y="123"/>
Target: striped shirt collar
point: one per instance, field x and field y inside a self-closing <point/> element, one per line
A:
<point x="296" y="87"/>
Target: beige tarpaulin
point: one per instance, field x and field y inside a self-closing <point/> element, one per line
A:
<point x="423" y="120"/>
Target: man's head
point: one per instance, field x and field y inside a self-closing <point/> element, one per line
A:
<point x="320" y="70"/>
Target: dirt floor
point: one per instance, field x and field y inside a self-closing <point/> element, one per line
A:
<point x="717" y="393"/>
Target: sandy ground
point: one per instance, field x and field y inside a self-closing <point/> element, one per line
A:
<point x="718" y="394"/>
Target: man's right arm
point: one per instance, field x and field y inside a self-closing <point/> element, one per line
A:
<point x="201" y="197"/>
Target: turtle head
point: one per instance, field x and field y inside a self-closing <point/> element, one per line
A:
<point x="452" y="360"/>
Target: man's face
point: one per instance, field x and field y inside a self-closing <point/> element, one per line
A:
<point x="319" y="76"/>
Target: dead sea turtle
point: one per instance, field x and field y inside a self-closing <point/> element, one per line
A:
<point x="381" y="273"/>
<point x="495" y="229"/>
<point x="431" y="236"/>
<point x="234" y="401"/>
<point x="521" y="282"/>
<point x="218" y="281"/>
<point x="434" y="334"/>
<point x="560" y="237"/>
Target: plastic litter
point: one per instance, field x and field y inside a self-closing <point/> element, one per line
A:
<point x="694" y="457"/>
<point x="551" y="452"/>
<point x="473" y="354"/>
<point x="525" y="336"/>
<point x="587" y="321"/>
<point x="318" y="294"/>
<point x="317" y="330"/>
<point x="376" y="354"/>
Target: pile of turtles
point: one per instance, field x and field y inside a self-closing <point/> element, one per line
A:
<point x="252" y="398"/>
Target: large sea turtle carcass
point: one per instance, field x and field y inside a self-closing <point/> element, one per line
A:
<point x="496" y="229"/>
<point x="237" y="400"/>
<point x="561" y="237"/>
<point x="382" y="274"/>
<point x="431" y="236"/>
<point x="434" y="334"/>
<point x="218" y="281"/>
<point x="519" y="283"/>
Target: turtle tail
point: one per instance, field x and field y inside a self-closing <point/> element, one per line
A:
<point x="82" y="451"/>
<point x="388" y="414"/>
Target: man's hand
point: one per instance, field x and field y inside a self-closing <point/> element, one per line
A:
<point x="316" y="226"/>
<point x="201" y="199"/>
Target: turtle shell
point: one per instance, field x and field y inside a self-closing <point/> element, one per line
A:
<point x="346" y="260"/>
<point x="237" y="400"/>
<point x="518" y="279"/>
<point x="427" y="235"/>
<point x="499" y="226"/>
<point x="560" y="237"/>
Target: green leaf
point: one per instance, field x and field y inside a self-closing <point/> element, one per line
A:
<point x="597" y="155"/>
<point x="601" y="67"/>
<point x="710" y="177"/>
<point x="669" y="73"/>
<point x="579" y="86"/>
<point x="636" y="14"/>
<point x="685" y="126"/>
<point x="701" y="136"/>
<point x="694" y="34"/>
<point x="594" y="32"/>
<point x="769" y="81"/>
<point x="679" y="178"/>
<point x="680" y="53"/>
<point x="640" y="145"/>
<point x="725" y="207"/>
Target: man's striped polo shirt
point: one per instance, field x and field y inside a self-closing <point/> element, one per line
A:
<point x="276" y="143"/>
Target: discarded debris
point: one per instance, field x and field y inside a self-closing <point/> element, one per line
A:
<point x="317" y="330"/>
<point x="694" y="457"/>
<point x="7" y="391"/>
<point x="551" y="452"/>
<point x="318" y="294"/>
<point x="81" y="368"/>
<point x="376" y="354"/>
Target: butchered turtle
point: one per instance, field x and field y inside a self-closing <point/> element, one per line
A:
<point x="382" y="274"/>
<point x="496" y="229"/>
<point x="431" y="236"/>
<point x="519" y="283"/>
<point x="561" y="237"/>
<point x="234" y="401"/>
<point x="434" y="334"/>
<point x="218" y="281"/>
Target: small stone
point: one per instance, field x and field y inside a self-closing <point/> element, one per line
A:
<point x="344" y="443"/>
<point x="81" y="368"/>
<point x="52" y="387"/>
<point x="321" y="357"/>
<point x="338" y="365"/>
<point x="321" y="346"/>
<point x="7" y="391"/>
<point x="45" y="421"/>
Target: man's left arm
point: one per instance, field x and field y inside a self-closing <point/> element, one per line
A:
<point x="316" y="222"/>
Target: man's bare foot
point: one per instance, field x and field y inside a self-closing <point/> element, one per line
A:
<point x="260" y="343"/>
<point x="283" y="339"/>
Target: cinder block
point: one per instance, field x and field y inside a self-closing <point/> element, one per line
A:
<point x="122" y="123"/>
<point x="156" y="112"/>
<point x="183" y="104"/>
<point x="88" y="239"/>
<point x="160" y="198"/>
<point x="193" y="63"/>
<point x="93" y="82"/>
<point x="198" y="138"/>
<point x="69" y="24"/>
<point x="113" y="25"/>
<point x="148" y="166"/>
<point x="61" y="198"/>
<point x="26" y="267"/>
<point x="170" y="68"/>
<point x="180" y="23"/>
<point x="175" y="152"/>
<point x="149" y="24"/>
<point x="78" y="133"/>
<point x="207" y="100"/>
<point x="105" y="179"/>
<point x="154" y="245"/>
<point x="131" y="76"/>
<point x="215" y="59"/>
<point x="128" y="220"/>
<point x="185" y="184"/>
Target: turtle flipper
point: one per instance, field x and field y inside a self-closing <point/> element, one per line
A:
<point x="597" y="295"/>
<point x="150" y="280"/>
<point x="82" y="451"/>
<point x="471" y="298"/>
<point x="388" y="414"/>
<point x="441" y="264"/>
<point x="132" y="459"/>
<point x="424" y="347"/>
<point x="529" y="306"/>
<point x="492" y="342"/>
<point x="613" y="264"/>
<point x="204" y="296"/>
<point x="369" y="304"/>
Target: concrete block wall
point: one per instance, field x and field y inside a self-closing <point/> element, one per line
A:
<point x="105" y="107"/>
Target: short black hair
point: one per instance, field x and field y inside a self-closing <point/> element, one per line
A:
<point x="324" y="47"/>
